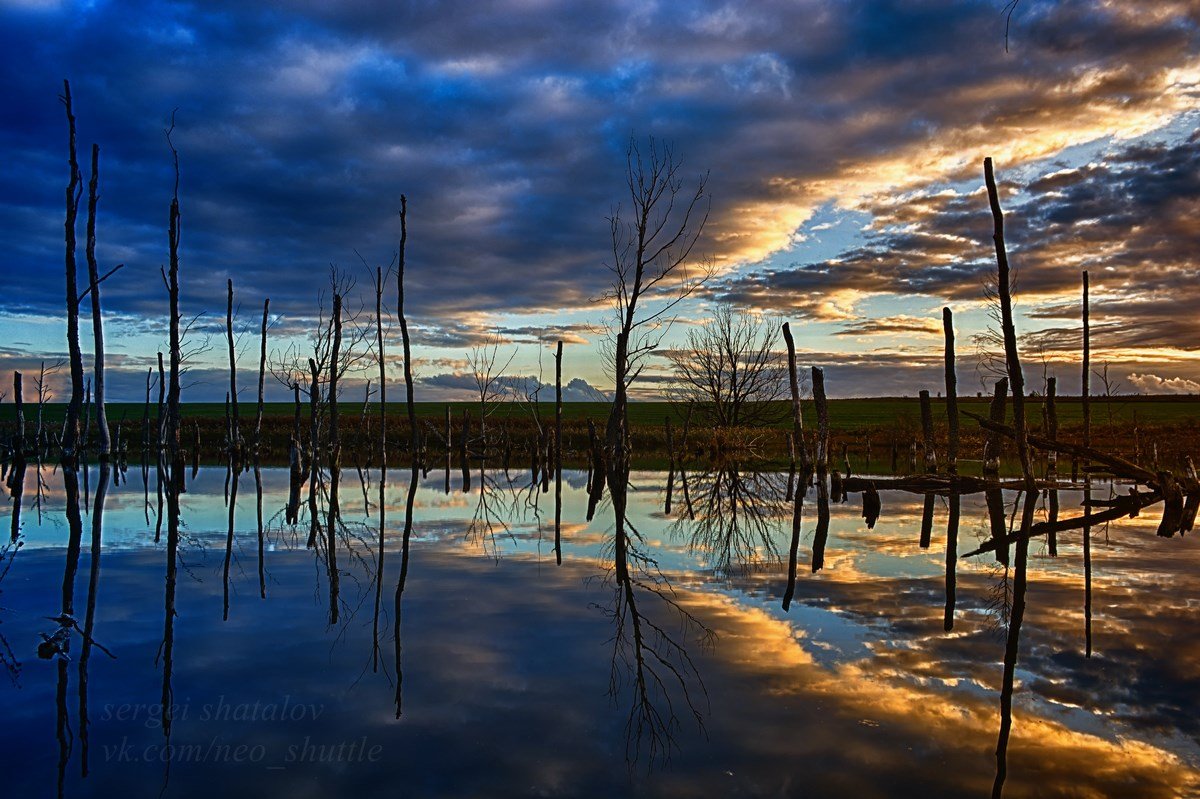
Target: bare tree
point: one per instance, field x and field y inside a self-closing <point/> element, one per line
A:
<point x="652" y="245"/>
<point x="731" y="370"/>
<point x="74" y="192"/>
<point x="490" y="384"/>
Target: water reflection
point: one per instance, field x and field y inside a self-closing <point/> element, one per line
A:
<point x="685" y="640"/>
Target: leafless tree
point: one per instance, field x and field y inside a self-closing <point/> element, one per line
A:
<point x="731" y="370"/>
<point x="652" y="243"/>
<point x="490" y="385"/>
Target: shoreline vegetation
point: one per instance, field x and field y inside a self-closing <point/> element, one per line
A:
<point x="1149" y="430"/>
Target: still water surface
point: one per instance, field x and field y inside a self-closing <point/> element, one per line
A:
<point x="500" y="672"/>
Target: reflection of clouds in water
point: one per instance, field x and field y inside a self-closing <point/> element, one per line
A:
<point x="863" y="641"/>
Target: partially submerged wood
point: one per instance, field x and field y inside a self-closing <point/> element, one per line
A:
<point x="71" y="431"/>
<point x="991" y="446"/>
<point x="104" y="443"/>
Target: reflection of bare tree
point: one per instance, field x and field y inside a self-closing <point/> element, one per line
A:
<point x="1012" y="642"/>
<point x="400" y="584"/>
<point x="650" y="661"/>
<point x="735" y="518"/>
<point x="495" y="504"/>
<point x="89" y="619"/>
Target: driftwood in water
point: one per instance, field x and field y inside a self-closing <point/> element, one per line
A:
<point x="1129" y="505"/>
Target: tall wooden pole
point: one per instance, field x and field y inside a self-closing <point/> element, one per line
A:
<point x="70" y="440"/>
<point x="262" y="373"/>
<point x="1016" y="379"/>
<point x="1085" y="390"/>
<point x="951" y="393"/>
<point x="97" y="323"/>
<point x="822" y="448"/>
<point x="797" y="414"/>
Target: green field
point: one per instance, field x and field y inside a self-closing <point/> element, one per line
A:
<point x="844" y="414"/>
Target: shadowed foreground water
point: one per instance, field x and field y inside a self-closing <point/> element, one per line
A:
<point x="497" y="672"/>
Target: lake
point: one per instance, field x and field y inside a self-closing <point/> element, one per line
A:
<point x="284" y="660"/>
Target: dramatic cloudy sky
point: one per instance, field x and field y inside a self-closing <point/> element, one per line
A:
<point x="843" y="142"/>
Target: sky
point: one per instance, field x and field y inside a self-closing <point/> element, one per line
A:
<point x="842" y="143"/>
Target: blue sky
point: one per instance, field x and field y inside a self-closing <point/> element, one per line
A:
<point x="843" y="143"/>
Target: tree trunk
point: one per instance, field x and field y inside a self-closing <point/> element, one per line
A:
<point x="235" y="430"/>
<point x="97" y="323"/>
<point x="1085" y="389"/>
<point x="1016" y="379"/>
<point x="408" y="379"/>
<point x="334" y="440"/>
<point x="382" y="367"/>
<point x="70" y="440"/>
<point x="822" y="448"/>
<point x="19" y="401"/>
<point x="797" y="414"/>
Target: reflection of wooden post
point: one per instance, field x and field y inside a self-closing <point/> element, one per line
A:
<point x="797" y="416"/>
<point x="951" y="562"/>
<point x="951" y="394"/>
<point x="927" y="522"/>
<point x="927" y="432"/>
<point x="1087" y="554"/>
<point x="818" y="387"/>
<point x="1016" y="379"/>
<point x="991" y="444"/>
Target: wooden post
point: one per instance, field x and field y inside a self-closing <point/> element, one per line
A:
<point x="951" y="394"/>
<point x="19" y="401"/>
<point x="927" y="432"/>
<point x="296" y="412"/>
<point x="822" y="448"/>
<point x="1016" y="379"/>
<point x="262" y="374"/>
<point x="1051" y="421"/>
<point x="314" y="400"/>
<point x="235" y="428"/>
<point x="146" y="413"/>
<point x="1085" y="386"/>
<point x="162" y="416"/>
<point x="334" y="438"/>
<point x="797" y="414"/>
<point x="408" y="378"/>
<point x="382" y="367"/>
<point x="991" y="444"/>
<point x="97" y="322"/>
<point x="558" y="453"/>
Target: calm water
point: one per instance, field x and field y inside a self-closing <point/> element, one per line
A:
<point x="499" y="672"/>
